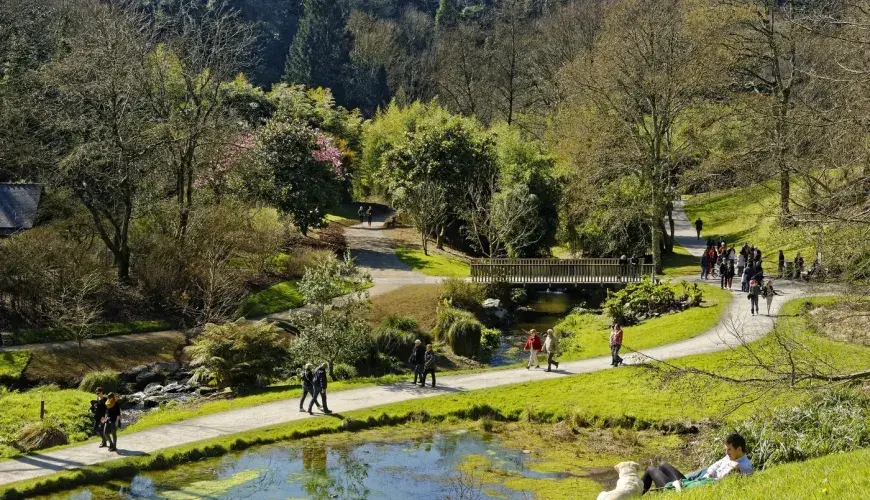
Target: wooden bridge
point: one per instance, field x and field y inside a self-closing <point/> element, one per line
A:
<point x="574" y="272"/>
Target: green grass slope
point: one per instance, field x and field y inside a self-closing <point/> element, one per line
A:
<point x="433" y="264"/>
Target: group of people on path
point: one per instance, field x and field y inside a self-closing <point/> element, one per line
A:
<point x="314" y="384"/>
<point x="365" y="213"/>
<point x="535" y="346"/>
<point x="747" y="264"/>
<point x="423" y="361"/>
<point x="107" y="418"/>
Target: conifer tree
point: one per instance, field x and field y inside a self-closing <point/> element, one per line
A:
<point x="320" y="53"/>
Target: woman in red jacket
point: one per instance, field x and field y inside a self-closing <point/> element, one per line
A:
<point x="533" y="344"/>
<point x="615" y="344"/>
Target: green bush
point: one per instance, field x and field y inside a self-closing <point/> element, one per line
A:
<point x="13" y="364"/>
<point x="692" y="294"/>
<point x="519" y="296"/>
<point x="460" y="330"/>
<point x="344" y="371"/>
<point x="300" y="260"/>
<point x="403" y="323"/>
<point x="463" y="294"/>
<point x="499" y="290"/>
<point x="833" y="422"/>
<point x="490" y="340"/>
<point x="41" y="435"/>
<point x="239" y="354"/>
<point x="106" y="379"/>
<point x="638" y="300"/>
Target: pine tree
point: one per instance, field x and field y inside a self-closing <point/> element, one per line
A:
<point x="320" y="53"/>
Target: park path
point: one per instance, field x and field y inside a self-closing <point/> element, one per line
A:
<point x="684" y="232"/>
<point x="735" y="318"/>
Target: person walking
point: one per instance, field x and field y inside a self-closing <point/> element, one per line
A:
<point x="428" y="365"/>
<point x="768" y="294"/>
<point x="550" y="346"/>
<point x="699" y="225"/>
<point x="705" y="265"/>
<point x="780" y="266"/>
<point x="741" y="263"/>
<point x="798" y="266"/>
<point x="754" y="292"/>
<point x="730" y="273"/>
<point x="747" y="275"/>
<point x="98" y="408"/>
<point x="369" y="215"/>
<point x="417" y="360"/>
<point x="615" y="344"/>
<point x="361" y="213"/>
<point x="307" y="377"/>
<point x="319" y="389"/>
<point x="533" y="345"/>
<point x="723" y="272"/>
<point x="112" y="421"/>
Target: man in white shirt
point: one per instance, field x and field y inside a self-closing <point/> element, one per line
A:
<point x="735" y="459"/>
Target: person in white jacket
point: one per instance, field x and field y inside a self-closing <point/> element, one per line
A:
<point x="550" y="346"/>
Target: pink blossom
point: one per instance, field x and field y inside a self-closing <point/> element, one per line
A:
<point x="219" y="168"/>
<point x="328" y="152"/>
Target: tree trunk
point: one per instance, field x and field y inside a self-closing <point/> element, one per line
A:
<point x="424" y="238"/>
<point x="331" y="366"/>
<point x="670" y="244"/>
<point x="657" y="242"/>
<point x="439" y="243"/>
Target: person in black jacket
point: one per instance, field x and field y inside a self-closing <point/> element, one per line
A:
<point x="428" y="365"/>
<point x="112" y="421"/>
<point x="307" y="377"/>
<point x="98" y="408"/>
<point x="319" y="388"/>
<point x="417" y="360"/>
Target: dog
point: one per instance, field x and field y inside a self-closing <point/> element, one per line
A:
<point x="629" y="484"/>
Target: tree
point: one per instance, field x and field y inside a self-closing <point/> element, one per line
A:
<point x="202" y="46"/>
<point x="509" y="52"/>
<point x="239" y="354"/>
<point x="76" y="310"/>
<point x="462" y="72"/>
<point x="425" y="204"/>
<point x="95" y="96"/>
<point x="333" y="331"/>
<point x="302" y="171"/>
<point x="320" y="52"/>
<point x="501" y="223"/>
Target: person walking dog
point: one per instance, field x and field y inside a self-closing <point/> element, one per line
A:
<point x="428" y="365"/>
<point x="550" y="346"/>
<point x="533" y="344"/>
<point x="616" y="344"/>
<point x="417" y="360"/>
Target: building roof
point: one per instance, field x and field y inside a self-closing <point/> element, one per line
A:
<point x="18" y="204"/>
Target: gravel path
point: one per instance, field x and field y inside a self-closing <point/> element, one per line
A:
<point x="735" y="317"/>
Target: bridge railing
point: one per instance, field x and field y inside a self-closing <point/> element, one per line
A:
<point x="553" y="271"/>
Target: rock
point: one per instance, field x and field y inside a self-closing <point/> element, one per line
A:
<point x="153" y="388"/>
<point x="174" y="387"/>
<point x="205" y="391"/>
<point x="491" y="303"/>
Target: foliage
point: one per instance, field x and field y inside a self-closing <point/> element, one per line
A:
<point x="107" y="380"/>
<point x="641" y="300"/>
<point x="293" y="178"/>
<point x="831" y="422"/>
<point x="238" y="354"/>
<point x="328" y="279"/>
<point x="40" y="435"/>
<point x="333" y="334"/>
<point x="344" y="371"/>
<point x="416" y="301"/>
<point x="22" y="337"/>
<point x="299" y="260"/>
<point x="692" y="294"/>
<point x="463" y="294"/>
<point x="490" y="341"/>
<point x="69" y="408"/>
<point x="460" y="330"/>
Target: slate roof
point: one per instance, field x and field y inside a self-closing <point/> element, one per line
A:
<point x="18" y="204"/>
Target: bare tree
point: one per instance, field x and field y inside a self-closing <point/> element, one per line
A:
<point x="75" y="310"/>
<point x="501" y="221"/>
<point x="425" y="204"/>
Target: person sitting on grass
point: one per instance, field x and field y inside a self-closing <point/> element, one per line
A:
<point x="735" y="459"/>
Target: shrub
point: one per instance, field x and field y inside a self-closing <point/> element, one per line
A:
<point x="392" y="221"/>
<point x="519" y="296"/>
<point x="403" y="323"/>
<point x="833" y="422"/>
<point x="344" y="371"/>
<point x="41" y="435"/>
<point x="301" y="259"/>
<point x="106" y="379"/>
<point x="238" y="354"/>
<point x="640" y="300"/>
<point x="499" y="290"/>
<point x="463" y="294"/>
<point x="490" y="340"/>
<point x="692" y="294"/>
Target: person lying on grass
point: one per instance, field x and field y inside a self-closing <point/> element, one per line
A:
<point x="735" y="459"/>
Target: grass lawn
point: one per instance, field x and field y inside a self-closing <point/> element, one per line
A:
<point x="680" y="263"/>
<point x="433" y="264"/>
<point x="64" y="364"/>
<point x="70" y="407"/>
<point x="279" y="297"/>
<point x="841" y="476"/>
<point x="102" y="330"/>
<point x="12" y="364"/>
<point x="344" y="214"/>
<point x="589" y="334"/>
<point x="417" y="301"/>
<point x="749" y="215"/>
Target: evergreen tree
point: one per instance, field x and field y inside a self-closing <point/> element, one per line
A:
<point x="320" y="53"/>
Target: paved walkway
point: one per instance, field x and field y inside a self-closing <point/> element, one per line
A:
<point x="685" y="234"/>
<point x="735" y="318"/>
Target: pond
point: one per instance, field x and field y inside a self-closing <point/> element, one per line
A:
<point x="543" y="311"/>
<point x="436" y="465"/>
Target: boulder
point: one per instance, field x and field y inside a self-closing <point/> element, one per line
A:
<point x="491" y="304"/>
<point x="174" y="387"/>
<point x="205" y="391"/>
<point x="153" y="388"/>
